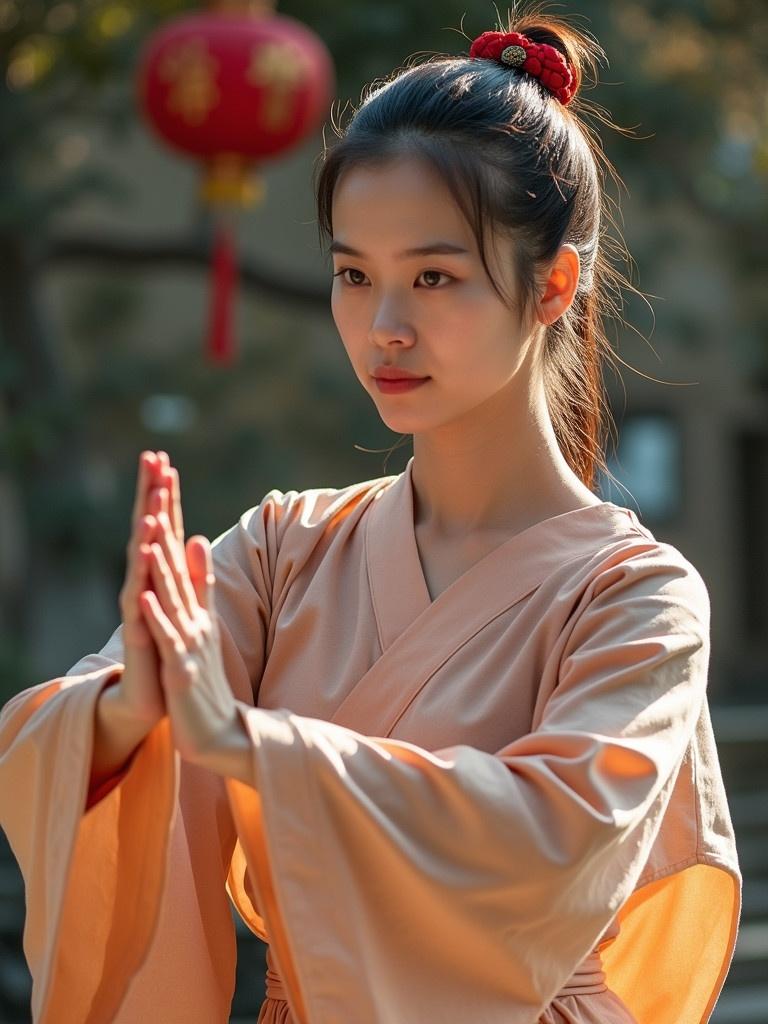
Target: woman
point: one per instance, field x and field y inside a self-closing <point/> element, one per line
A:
<point x="442" y="736"/>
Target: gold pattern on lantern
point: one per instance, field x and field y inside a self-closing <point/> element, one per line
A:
<point x="279" y="69"/>
<point x="191" y="70"/>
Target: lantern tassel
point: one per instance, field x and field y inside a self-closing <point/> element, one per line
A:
<point x="223" y="284"/>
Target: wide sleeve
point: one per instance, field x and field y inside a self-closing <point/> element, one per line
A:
<point x="125" y="883"/>
<point x="404" y="884"/>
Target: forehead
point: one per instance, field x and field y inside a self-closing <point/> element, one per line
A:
<point x="404" y="194"/>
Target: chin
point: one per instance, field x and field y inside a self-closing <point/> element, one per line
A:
<point x="400" y="423"/>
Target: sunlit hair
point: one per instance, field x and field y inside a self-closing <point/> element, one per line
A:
<point x="515" y="158"/>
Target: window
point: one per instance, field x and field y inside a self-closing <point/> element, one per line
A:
<point x="648" y="463"/>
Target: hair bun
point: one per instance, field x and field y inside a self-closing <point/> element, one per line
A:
<point x="542" y="60"/>
<point x="578" y="48"/>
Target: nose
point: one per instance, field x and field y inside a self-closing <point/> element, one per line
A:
<point x="389" y="324"/>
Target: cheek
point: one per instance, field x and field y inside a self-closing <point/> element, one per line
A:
<point x="342" y="313"/>
<point x="348" y="327"/>
<point x="482" y="302"/>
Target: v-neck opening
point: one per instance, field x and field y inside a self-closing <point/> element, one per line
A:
<point x="512" y="569"/>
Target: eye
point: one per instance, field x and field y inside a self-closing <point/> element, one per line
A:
<point x="348" y="270"/>
<point x="356" y="284"/>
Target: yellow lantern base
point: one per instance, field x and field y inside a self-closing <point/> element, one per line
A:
<point x="230" y="180"/>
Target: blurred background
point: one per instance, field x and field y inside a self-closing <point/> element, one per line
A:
<point x="105" y="283"/>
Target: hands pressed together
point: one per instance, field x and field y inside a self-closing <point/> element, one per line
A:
<point x="173" y="660"/>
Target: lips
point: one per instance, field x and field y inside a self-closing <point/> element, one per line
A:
<point x="399" y="387"/>
<point x="395" y="373"/>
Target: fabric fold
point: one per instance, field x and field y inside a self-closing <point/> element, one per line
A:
<point x="86" y="932"/>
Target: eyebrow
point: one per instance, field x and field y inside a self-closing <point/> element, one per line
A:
<point x="431" y="249"/>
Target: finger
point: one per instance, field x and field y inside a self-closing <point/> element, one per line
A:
<point x="175" y="513"/>
<point x="158" y="498"/>
<point x="175" y="557"/>
<point x="135" y="579"/>
<point x="155" y="481"/>
<point x="171" y="646"/>
<point x="174" y="546"/>
<point x="146" y="500"/>
<point x="157" y="502"/>
<point x="201" y="572"/>
<point x="141" y="533"/>
<point x="145" y="477"/>
<point x="146" y="531"/>
<point x="168" y="594"/>
<point x="162" y="481"/>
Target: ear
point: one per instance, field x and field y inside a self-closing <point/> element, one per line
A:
<point x="561" y="285"/>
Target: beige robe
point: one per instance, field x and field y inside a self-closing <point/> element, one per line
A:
<point x="502" y="806"/>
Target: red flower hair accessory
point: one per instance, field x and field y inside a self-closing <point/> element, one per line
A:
<point x="541" y="60"/>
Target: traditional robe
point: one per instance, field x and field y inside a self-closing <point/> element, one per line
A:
<point x="501" y="806"/>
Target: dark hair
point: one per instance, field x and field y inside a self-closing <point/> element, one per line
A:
<point x="514" y="156"/>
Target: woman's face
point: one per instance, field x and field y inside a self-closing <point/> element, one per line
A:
<point x="435" y="314"/>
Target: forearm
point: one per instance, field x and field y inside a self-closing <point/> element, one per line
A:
<point x="116" y="735"/>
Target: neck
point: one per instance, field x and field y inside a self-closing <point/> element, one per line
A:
<point x="498" y="469"/>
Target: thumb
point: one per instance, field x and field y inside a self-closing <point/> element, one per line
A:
<point x="200" y="561"/>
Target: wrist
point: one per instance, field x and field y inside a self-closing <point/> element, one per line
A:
<point x="233" y="757"/>
<point x="117" y="734"/>
<point x="114" y="710"/>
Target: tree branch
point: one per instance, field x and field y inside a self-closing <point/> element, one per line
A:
<point x="188" y="251"/>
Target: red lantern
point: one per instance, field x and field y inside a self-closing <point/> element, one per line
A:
<point x="232" y="87"/>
